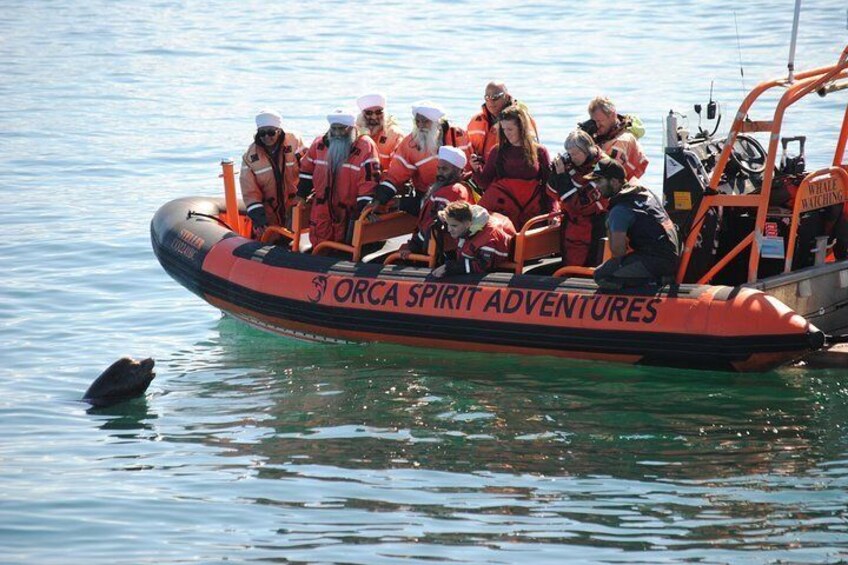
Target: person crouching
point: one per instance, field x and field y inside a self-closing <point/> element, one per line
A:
<point x="636" y="219"/>
<point x="341" y="168"/>
<point x="483" y="239"/>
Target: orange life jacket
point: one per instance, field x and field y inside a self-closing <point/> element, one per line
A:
<point x="271" y="183"/>
<point x="623" y="146"/>
<point x="387" y="142"/>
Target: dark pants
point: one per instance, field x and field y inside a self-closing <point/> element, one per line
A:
<point x="633" y="269"/>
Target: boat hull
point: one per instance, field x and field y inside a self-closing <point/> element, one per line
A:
<point x="326" y="299"/>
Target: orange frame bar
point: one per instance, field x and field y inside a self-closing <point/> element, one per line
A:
<point x="804" y="84"/>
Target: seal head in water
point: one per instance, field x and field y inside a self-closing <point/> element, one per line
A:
<point x="126" y="378"/>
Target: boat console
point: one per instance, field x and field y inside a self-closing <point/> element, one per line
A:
<point x="689" y="166"/>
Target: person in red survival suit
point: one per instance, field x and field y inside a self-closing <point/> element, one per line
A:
<point x="483" y="240"/>
<point x="381" y="127"/>
<point x="269" y="172"/>
<point x="483" y="132"/>
<point x="341" y="168"/>
<point x="515" y="173"/>
<point x="443" y="191"/>
<point x="583" y="208"/>
<point x="416" y="158"/>
<point x="617" y="135"/>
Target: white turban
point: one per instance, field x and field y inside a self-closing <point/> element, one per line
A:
<point x="375" y="100"/>
<point x="269" y="118"/>
<point x="428" y="109"/>
<point x="452" y="155"/>
<point x="341" y="117"/>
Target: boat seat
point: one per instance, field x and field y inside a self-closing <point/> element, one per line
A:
<point x="430" y="259"/>
<point x="539" y="238"/>
<point x="578" y="271"/>
<point x="368" y="229"/>
<point x="299" y="227"/>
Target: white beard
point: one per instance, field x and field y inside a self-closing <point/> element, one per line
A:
<point x="428" y="141"/>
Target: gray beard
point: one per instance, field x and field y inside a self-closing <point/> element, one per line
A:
<point x="338" y="152"/>
<point x="427" y="141"/>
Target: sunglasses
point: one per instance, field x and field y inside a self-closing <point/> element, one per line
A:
<point x="493" y="97"/>
<point x="266" y="132"/>
<point x="373" y="112"/>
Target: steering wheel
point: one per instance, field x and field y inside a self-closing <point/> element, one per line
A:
<point x="748" y="155"/>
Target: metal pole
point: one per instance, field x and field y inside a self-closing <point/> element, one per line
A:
<point x="791" y="65"/>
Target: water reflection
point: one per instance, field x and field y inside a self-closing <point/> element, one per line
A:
<point x="130" y="416"/>
<point x="362" y="451"/>
<point x="381" y="407"/>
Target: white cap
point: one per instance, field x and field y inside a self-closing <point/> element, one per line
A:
<point x="341" y="117"/>
<point x="375" y="100"/>
<point x="428" y="109"/>
<point x="269" y="118"/>
<point x="452" y="155"/>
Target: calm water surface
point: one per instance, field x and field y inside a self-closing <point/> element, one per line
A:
<point x="250" y="447"/>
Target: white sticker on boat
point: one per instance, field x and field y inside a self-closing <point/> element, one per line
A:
<point x="771" y="247"/>
<point x="672" y="167"/>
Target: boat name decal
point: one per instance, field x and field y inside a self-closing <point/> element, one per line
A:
<point x="187" y="243"/>
<point x="463" y="298"/>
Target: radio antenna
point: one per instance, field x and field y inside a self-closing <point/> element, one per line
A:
<point x="739" y="48"/>
<point x="791" y="64"/>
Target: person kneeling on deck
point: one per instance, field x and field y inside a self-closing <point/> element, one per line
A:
<point x="269" y="172"/>
<point x="341" y="169"/>
<point x="636" y="218"/>
<point x="442" y="192"/>
<point x="483" y="239"/>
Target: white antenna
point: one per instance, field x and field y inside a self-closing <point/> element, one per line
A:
<point x="739" y="47"/>
<point x="791" y="65"/>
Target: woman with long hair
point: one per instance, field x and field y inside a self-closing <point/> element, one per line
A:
<point x="515" y="174"/>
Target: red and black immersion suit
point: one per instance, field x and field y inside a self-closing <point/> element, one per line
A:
<point x="435" y="201"/>
<point x="486" y="245"/>
<point x="515" y="188"/>
<point x="584" y="211"/>
<point x="337" y="197"/>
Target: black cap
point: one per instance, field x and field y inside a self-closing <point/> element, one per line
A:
<point x="607" y="168"/>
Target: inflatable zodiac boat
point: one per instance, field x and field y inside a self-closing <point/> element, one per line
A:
<point x="326" y="299"/>
<point x="750" y="294"/>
